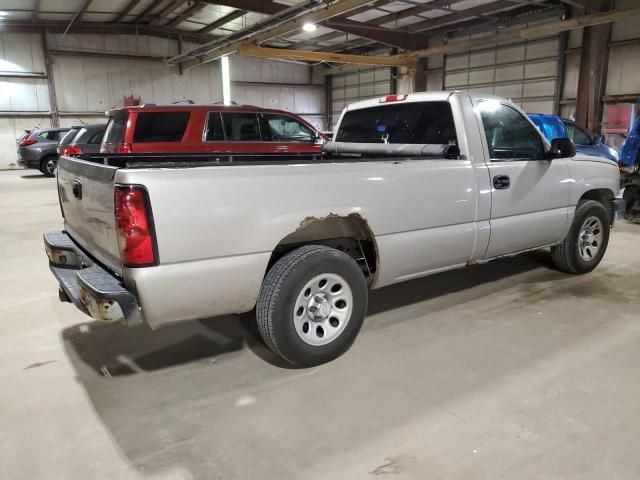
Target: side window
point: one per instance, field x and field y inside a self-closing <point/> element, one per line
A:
<point x="509" y="134"/>
<point x="286" y="129"/>
<point x="48" y="135"/>
<point x="160" y="126"/>
<point x="241" y="127"/>
<point x="57" y="136"/>
<point x="214" y="127"/>
<point x="577" y="135"/>
<point x="96" y="138"/>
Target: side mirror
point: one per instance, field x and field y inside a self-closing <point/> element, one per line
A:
<point x="562" y="148"/>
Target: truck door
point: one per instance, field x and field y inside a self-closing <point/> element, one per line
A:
<point x="530" y="193"/>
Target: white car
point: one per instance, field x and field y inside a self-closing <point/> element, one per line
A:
<point x="411" y="185"/>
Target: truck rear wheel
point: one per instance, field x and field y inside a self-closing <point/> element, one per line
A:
<point x="584" y="246"/>
<point x="312" y="305"/>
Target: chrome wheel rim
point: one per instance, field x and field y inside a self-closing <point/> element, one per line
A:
<point x="51" y="166"/>
<point x="590" y="239"/>
<point x="322" y="309"/>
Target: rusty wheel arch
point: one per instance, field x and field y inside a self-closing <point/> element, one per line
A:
<point x="349" y="233"/>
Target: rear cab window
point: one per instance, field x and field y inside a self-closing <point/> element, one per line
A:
<point x="415" y="122"/>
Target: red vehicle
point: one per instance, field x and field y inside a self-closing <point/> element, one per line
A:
<point x="208" y="129"/>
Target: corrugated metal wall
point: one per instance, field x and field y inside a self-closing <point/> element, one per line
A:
<point x="87" y="85"/>
<point x="351" y="87"/>
<point x="526" y="73"/>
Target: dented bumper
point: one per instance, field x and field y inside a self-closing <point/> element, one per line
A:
<point x="87" y="285"/>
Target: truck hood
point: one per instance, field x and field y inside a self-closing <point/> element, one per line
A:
<point x="581" y="157"/>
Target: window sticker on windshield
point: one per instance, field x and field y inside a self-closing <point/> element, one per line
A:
<point x="381" y="128"/>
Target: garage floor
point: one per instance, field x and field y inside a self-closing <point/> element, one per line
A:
<point x="508" y="370"/>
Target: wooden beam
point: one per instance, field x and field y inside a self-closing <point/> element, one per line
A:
<point x="255" y="51"/>
<point x="223" y="21"/>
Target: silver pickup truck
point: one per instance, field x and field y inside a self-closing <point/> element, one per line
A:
<point x="411" y="185"/>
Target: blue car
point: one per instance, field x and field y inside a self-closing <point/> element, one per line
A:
<point x="553" y="126"/>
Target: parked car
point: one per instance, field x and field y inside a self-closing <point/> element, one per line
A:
<point x="38" y="149"/>
<point x="83" y="139"/>
<point x="209" y="129"/>
<point x="413" y="185"/>
<point x="553" y="126"/>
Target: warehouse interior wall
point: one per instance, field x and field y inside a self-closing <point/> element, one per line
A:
<point x="93" y="73"/>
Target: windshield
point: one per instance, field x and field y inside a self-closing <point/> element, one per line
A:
<point x="68" y="137"/>
<point x="417" y="122"/>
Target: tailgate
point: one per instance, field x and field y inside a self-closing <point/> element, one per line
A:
<point x="86" y="192"/>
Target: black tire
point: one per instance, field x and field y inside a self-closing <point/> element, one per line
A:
<point x="566" y="255"/>
<point x="45" y="165"/>
<point x="281" y="289"/>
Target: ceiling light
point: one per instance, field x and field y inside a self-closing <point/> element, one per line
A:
<point x="309" y="27"/>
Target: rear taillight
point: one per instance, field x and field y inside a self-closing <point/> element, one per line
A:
<point x="124" y="148"/>
<point x="70" y="150"/>
<point x="26" y="141"/>
<point x="134" y="227"/>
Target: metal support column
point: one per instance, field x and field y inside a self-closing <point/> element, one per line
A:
<point x="51" y="86"/>
<point x="420" y="76"/>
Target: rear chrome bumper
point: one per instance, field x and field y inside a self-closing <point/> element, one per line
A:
<point x="87" y="285"/>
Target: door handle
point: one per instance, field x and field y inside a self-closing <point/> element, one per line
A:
<point x="501" y="182"/>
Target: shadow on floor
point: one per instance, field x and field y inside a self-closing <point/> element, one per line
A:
<point x="33" y="176"/>
<point x="114" y="350"/>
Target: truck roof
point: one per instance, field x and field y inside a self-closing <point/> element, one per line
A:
<point x="436" y="96"/>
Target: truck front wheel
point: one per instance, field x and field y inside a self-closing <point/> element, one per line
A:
<point x="587" y="240"/>
<point x="312" y="304"/>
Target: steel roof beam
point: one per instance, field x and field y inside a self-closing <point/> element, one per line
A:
<point x="223" y="21"/>
<point x="125" y="11"/>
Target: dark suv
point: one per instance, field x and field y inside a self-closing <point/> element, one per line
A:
<point x="38" y="149"/>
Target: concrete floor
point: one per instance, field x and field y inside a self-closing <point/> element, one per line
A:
<point x="509" y="370"/>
